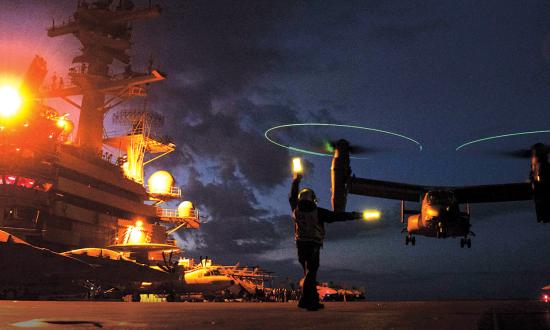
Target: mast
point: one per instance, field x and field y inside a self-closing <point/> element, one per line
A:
<point x="105" y="31"/>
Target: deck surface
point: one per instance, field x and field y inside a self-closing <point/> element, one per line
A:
<point x="354" y="315"/>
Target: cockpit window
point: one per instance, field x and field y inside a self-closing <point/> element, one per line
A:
<point x="440" y="196"/>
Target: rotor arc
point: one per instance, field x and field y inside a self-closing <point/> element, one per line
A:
<point x="495" y="137"/>
<point x="309" y="152"/>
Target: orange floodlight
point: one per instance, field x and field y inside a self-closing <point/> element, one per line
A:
<point x="10" y="101"/>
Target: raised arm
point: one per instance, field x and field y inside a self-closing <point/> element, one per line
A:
<point x="293" y="198"/>
<point x="331" y="216"/>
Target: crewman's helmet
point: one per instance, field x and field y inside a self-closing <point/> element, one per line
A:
<point x="307" y="200"/>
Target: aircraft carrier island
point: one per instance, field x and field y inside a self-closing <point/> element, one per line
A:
<point x="63" y="189"/>
<point x="60" y="189"/>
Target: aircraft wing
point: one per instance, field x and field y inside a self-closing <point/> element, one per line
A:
<point x="494" y="193"/>
<point x="386" y="189"/>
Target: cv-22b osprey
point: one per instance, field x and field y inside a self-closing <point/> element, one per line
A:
<point x="440" y="214"/>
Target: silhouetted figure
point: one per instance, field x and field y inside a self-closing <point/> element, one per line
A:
<point x="309" y="232"/>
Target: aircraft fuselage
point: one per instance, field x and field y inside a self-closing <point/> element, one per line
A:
<point x="439" y="216"/>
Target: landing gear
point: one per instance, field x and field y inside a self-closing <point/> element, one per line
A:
<point x="410" y="239"/>
<point x="465" y="242"/>
<point x="441" y="232"/>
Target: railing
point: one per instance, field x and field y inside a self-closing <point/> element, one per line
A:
<point x="174" y="214"/>
<point x="174" y="192"/>
<point x="137" y="91"/>
<point x="190" y="220"/>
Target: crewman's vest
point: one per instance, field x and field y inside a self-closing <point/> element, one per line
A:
<point x="307" y="227"/>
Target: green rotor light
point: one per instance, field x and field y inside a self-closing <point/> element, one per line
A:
<point x="329" y="147"/>
<point x="495" y="137"/>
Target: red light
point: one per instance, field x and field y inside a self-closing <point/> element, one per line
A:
<point x="545" y="298"/>
<point x="10" y="179"/>
<point x="25" y="182"/>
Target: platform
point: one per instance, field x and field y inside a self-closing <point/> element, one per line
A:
<point x="351" y="315"/>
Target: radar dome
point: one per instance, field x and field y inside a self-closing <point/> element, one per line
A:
<point x="160" y="182"/>
<point x="184" y="209"/>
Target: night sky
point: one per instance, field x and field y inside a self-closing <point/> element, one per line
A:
<point x="441" y="72"/>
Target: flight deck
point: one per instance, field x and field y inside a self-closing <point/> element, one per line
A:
<point x="351" y="315"/>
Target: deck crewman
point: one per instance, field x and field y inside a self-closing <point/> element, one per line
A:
<point x="309" y="233"/>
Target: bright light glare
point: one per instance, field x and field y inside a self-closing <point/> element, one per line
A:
<point x="184" y="209"/>
<point x="370" y="215"/>
<point x="61" y="122"/>
<point x="297" y="165"/>
<point x="433" y="212"/>
<point x="10" y="101"/>
<point x="160" y="182"/>
<point x="136" y="233"/>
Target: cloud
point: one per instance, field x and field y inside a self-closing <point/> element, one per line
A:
<point x="236" y="224"/>
<point x="218" y="101"/>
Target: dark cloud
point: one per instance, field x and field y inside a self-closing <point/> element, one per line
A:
<point x="215" y="103"/>
<point x="236" y="225"/>
<point x="217" y="108"/>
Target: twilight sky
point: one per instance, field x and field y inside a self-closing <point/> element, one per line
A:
<point x="441" y="72"/>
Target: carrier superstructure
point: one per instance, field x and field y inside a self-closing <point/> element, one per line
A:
<point x="62" y="189"/>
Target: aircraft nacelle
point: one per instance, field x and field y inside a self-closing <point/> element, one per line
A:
<point x="540" y="182"/>
<point x="413" y="224"/>
<point x="541" y="194"/>
<point x="340" y="172"/>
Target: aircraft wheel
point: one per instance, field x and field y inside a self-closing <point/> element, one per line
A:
<point x="407" y="240"/>
<point x="462" y="242"/>
<point x="469" y="243"/>
<point x="413" y="240"/>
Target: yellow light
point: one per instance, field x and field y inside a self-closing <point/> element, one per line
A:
<point x="160" y="182"/>
<point x="61" y="122"/>
<point x="370" y="215"/>
<point x="135" y="235"/>
<point x="184" y="209"/>
<point x="139" y="223"/>
<point x="10" y="101"/>
<point x="432" y="212"/>
<point x="297" y="165"/>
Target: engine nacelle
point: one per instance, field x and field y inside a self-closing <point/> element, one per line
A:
<point x="540" y="181"/>
<point x="541" y="195"/>
<point x="340" y="172"/>
<point x="413" y="224"/>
